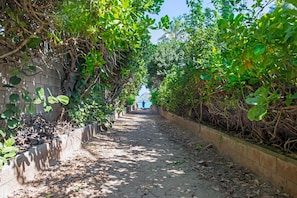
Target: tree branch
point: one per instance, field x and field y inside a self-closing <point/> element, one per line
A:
<point x="18" y="48"/>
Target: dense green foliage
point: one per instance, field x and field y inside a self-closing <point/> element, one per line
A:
<point x="115" y="34"/>
<point x="238" y="72"/>
<point x="100" y="44"/>
<point x="21" y="102"/>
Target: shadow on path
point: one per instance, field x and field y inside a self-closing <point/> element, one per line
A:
<point x="144" y="155"/>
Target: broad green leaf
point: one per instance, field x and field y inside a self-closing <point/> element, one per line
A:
<point x="289" y="101"/>
<point x="257" y="113"/>
<point x="9" y="149"/>
<point x="294" y="96"/>
<point x="14" y="80"/>
<point x="47" y="108"/>
<point x="52" y="100"/>
<point x="222" y="23"/>
<point x="3" y="134"/>
<point x="31" y="108"/>
<point x="14" y="71"/>
<point x="10" y="155"/>
<point x="37" y="101"/>
<point x="63" y="99"/>
<point x="12" y="107"/>
<point x="252" y="101"/>
<point x="14" y="97"/>
<point x="40" y="93"/>
<point x="239" y="18"/>
<point x="9" y="142"/>
<point x="12" y="123"/>
<point x="125" y="4"/>
<point x="34" y="42"/>
<point x="165" y="22"/>
<point x="27" y="98"/>
<point x="274" y="97"/>
<point x="32" y="68"/>
<point x="7" y="114"/>
<point x="259" y="49"/>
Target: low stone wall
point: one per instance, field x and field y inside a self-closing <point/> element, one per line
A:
<point x="279" y="170"/>
<point x="26" y="165"/>
<point x="130" y="108"/>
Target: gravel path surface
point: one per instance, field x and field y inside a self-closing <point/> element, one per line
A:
<point x="144" y="155"/>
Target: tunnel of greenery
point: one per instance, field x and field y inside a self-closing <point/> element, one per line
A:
<point x="231" y="66"/>
<point x="102" y="45"/>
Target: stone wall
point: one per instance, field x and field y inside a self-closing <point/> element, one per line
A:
<point x="279" y="170"/>
<point x="49" y="75"/>
<point x="27" y="165"/>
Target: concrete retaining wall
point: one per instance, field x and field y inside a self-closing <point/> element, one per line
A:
<point x="279" y="170"/>
<point x="26" y="165"/>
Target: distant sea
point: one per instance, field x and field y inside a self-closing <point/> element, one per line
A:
<point x="147" y="104"/>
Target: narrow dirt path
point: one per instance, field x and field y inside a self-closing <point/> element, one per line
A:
<point x="147" y="156"/>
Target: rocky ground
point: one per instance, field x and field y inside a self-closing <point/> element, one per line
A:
<point x="144" y="155"/>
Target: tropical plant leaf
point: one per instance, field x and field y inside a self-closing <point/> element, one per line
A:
<point x="7" y="114"/>
<point x="294" y="96"/>
<point x="31" y="108"/>
<point x="63" y="99"/>
<point x="47" y="108"/>
<point x="9" y="142"/>
<point x="26" y="98"/>
<point x="12" y="123"/>
<point x="40" y="93"/>
<point x="259" y="49"/>
<point x="252" y="101"/>
<point x="12" y="107"/>
<point x="37" y="101"/>
<point x="14" y="97"/>
<point x="14" y="80"/>
<point x="10" y="154"/>
<point x="3" y="134"/>
<point x="257" y="113"/>
<point x="52" y="100"/>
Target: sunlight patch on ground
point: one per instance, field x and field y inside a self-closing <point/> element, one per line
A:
<point x="174" y="173"/>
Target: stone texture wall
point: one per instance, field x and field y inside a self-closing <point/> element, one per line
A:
<point x="49" y="76"/>
<point x="27" y="165"/>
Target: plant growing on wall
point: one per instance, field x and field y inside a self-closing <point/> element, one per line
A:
<point x="21" y="102"/>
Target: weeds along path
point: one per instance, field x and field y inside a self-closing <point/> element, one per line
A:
<point x="145" y="155"/>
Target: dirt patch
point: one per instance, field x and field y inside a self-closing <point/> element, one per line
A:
<point x="36" y="130"/>
<point x="145" y="155"/>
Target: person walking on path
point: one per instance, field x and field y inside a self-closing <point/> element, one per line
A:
<point x="143" y="104"/>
